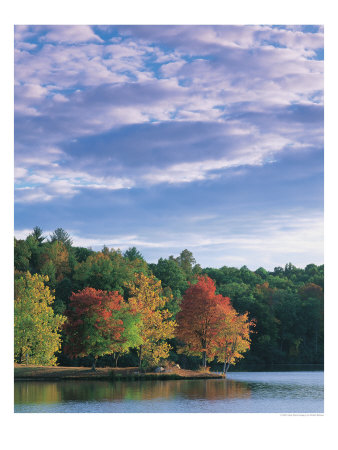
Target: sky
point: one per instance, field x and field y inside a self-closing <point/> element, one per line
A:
<point x="208" y="138"/>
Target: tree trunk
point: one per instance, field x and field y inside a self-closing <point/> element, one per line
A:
<point x="204" y="359"/>
<point x="94" y="363"/>
<point x="116" y="357"/>
<point x="204" y="354"/>
<point x="140" y="358"/>
<point x="226" y="366"/>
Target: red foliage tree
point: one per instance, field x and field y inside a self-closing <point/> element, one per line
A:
<point x="200" y="317"/>
<point x="94" y="326"/>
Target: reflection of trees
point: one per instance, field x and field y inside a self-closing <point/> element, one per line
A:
<point x="28" y="392"/>
<point x="54" y="392"/>
<point x="149" y="390"/>
<point x="215" y="389"/>
<point x="91" y="391"/>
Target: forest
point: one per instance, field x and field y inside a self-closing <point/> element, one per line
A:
<point x="75" y="306"/>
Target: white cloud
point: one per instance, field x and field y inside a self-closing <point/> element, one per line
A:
<point x="32" y="91"/>
<point x="19" y="172"/>
<point x="51" y="181"/>
<point x="71" y="34"/>
<point x="65" y="92"/>
<point x="199" y="170"/>
<point x="170" y="69"/>
<point x="60" y="98"/>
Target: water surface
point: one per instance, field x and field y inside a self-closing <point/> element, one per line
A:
<point x="241" y="392"/>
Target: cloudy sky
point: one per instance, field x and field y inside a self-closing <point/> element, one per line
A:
<point x="171" y="137"/>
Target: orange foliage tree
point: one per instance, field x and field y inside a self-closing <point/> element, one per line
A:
<point x="233" y="337"/>
<point x="201" y="314"/>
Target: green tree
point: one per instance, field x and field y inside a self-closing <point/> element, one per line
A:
<point x="312" y="313"/>
<point x="187" y="262"/>
<point x="107" y="270"/>
<point x="262" y="273"/>
<point x="170" y="274"/>
<point x="249" y="277"/>
<point x="38" y="235"/>
<point x="130" y="337"/>
<point x="96" y="271"/>
<point x="132" y="253"/>
<point x="22" y="255"/>
<point x="81" y="253"/>
<point x="287" y="309"/>
<point x="63" y="291"/>
<point x="35" y="248"/>
<point x="36" y="328"/>
<point x="62" y="236"/>
<point x="279" y="271"/>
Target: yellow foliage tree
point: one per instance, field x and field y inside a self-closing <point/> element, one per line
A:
<point x="233" y="338"/>
<point x="36" y="327"/>
<point x="146" y="298"/>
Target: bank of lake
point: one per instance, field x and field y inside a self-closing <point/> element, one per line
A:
<point x="45" y="373"/>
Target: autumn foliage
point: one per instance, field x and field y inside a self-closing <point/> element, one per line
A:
<point x="147" y="299"/>
<point x="94" y="326"/>
<point x="209" y="326"/>
<point x="233" y="338"/>
<point x="36" y="326"/>
<point x="287" y="305"/>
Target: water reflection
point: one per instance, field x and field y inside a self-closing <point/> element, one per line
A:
<point x="241" y="392"/>
<point x="30" y="392"/>
<point x="36" y="392"/>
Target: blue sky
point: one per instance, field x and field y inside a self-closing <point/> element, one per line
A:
<point x="171" y="137"/>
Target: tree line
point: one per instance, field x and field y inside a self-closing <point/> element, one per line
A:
<point x="74" y="305"/>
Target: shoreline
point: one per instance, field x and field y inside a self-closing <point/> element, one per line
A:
<point x="59" y="373"/>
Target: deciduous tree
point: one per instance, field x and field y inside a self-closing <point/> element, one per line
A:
<point x="200" y="317"/>
<point x="233" y="337"/>
<point x="170" y="274"/>
<point x="94" y="325"/>
<point x="146" y="298"/>
<point x="187" y="262"/>
<point x="36" y="328"/>
<point x="107" y="270"/>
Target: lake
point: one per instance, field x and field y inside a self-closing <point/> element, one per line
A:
<point x="241" y="392"/>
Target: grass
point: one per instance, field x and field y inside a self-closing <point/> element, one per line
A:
<point x="29" y="372"/>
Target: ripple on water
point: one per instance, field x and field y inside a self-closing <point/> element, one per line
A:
<point x="248" y="392"/>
